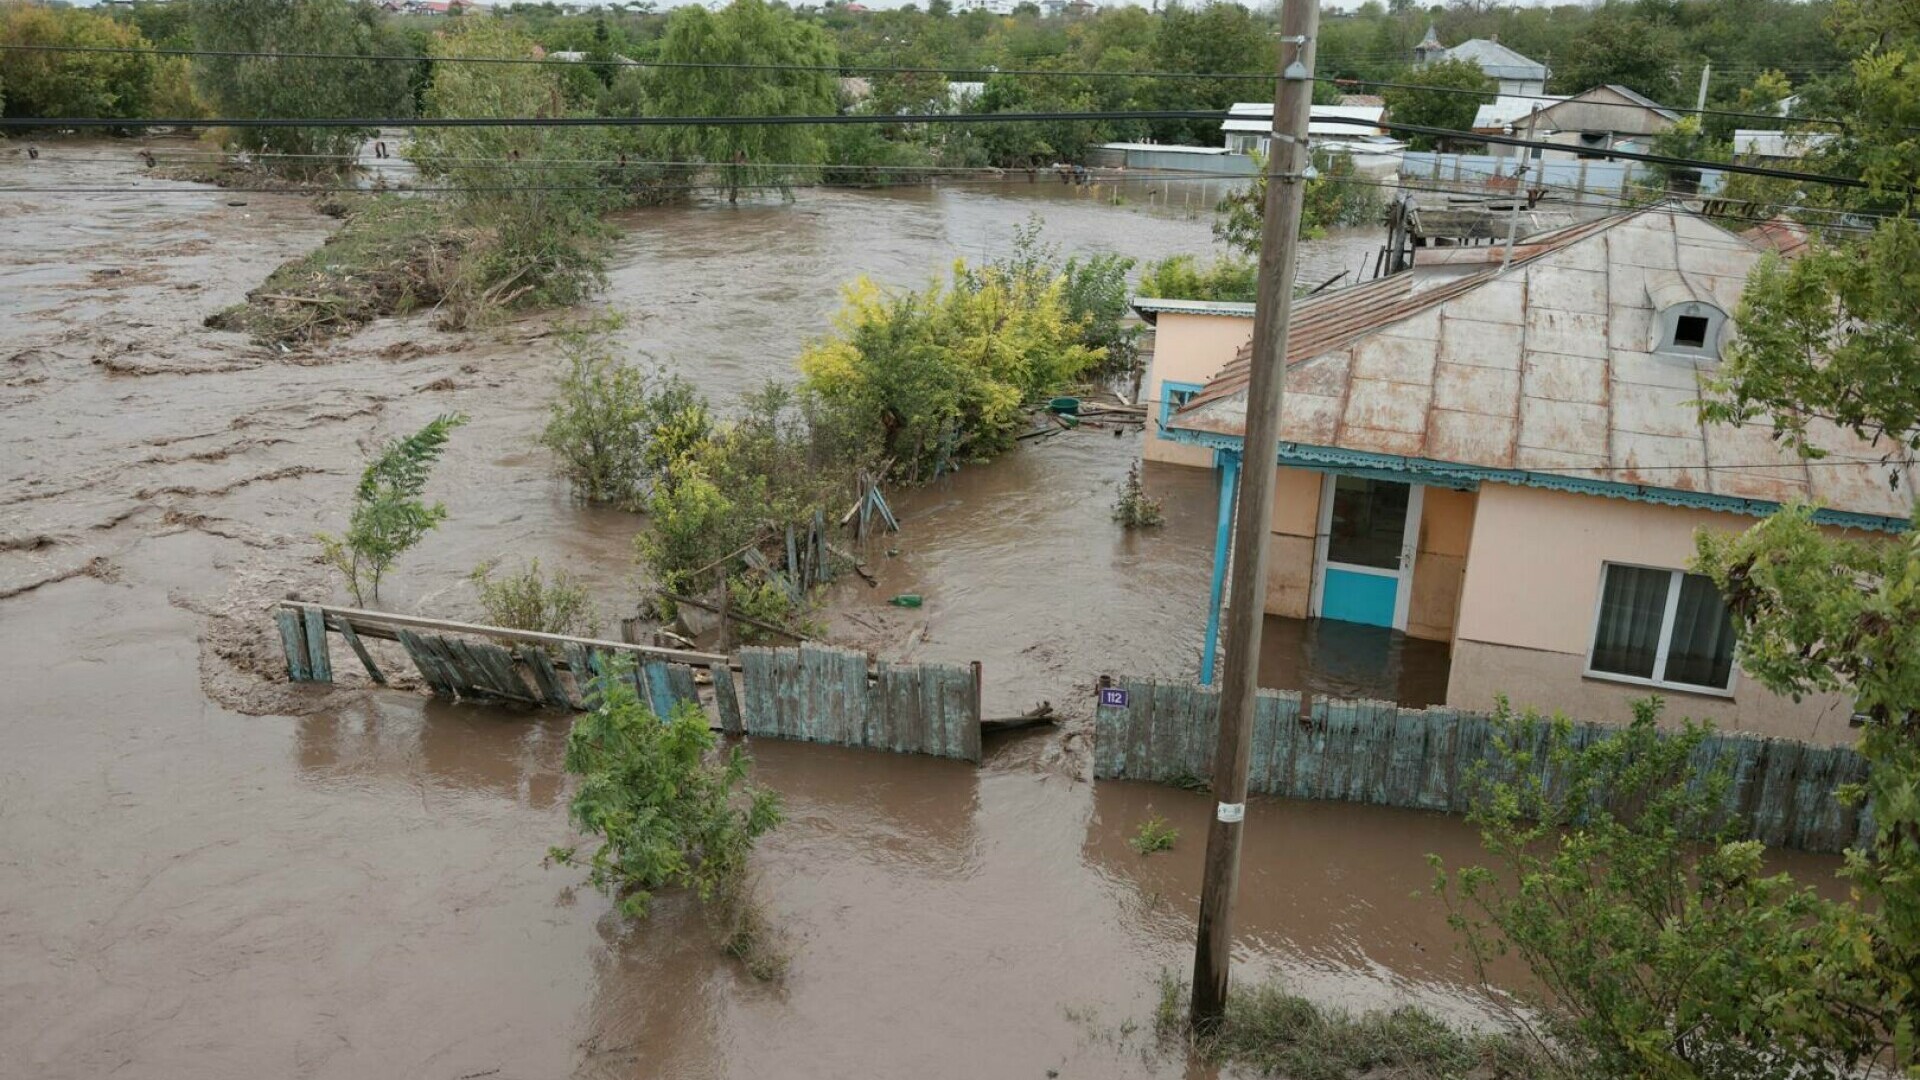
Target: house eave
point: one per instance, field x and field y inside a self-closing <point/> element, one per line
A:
<point x="1469" y="478"/>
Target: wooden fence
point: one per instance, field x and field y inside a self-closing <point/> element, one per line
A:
<point x="1375" y="752"/>
<point x="822" y="694"/>
<point x="812" y="693"/>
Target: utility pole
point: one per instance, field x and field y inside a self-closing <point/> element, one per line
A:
<point x="1700" y="100"/>
<point x="1288" y="167"/>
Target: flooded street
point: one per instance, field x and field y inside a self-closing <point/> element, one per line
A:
<point x="207" y="872"/>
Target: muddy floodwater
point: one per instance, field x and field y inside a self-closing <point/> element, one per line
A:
<point x="207" y="873"/>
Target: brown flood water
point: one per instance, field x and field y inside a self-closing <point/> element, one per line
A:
<point x="207" y="873"/>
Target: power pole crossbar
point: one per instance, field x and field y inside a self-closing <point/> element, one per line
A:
<point x="1288" y="168"/>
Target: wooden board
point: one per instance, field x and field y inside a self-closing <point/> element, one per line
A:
<point x="293" y="639"/>
<point x="726" y="700"/>
<point x="360" y="650"/>
<point x="319" y="658"/>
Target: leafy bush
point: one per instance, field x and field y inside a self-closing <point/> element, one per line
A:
<point x="1661" y="948"/>
<point x="388" y="516"/>
<point x="943" y="374"/>
<point x="1180" y="277"/>
<point x="665" y="814"/>
<point x="1154" y="834"/>
<point x="530" y="601"/>
<point x="1135" y="509"/>
<point x="1337" y="196"/>
<point x="614" y="429"/>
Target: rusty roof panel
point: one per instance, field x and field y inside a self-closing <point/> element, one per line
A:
<point x="1547" y="365"/>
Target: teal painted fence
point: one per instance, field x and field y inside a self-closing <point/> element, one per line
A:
<point x="823" y="694"/>
<point x="812" y="693"/>
<point x="1375" y="752"/>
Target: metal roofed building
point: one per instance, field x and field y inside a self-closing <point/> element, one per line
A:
<point x="1515" y="73"/>
<point x="1510" y="460"/>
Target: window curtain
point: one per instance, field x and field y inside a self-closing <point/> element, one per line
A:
<point x="1703" y="636"/>
<point x="1632" y="603"/>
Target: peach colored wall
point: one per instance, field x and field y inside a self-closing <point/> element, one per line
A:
<point x="1528" y="605"/>
<point x="1440" y="563"/>
<point x="1189" y="349"/>
<point x="1296" y="515"/>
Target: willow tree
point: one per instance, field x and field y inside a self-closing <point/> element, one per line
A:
<point x="789" y="73"/>
<point x="269" y="86"/>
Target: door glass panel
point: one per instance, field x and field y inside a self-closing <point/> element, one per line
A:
<point x="1633" y="602"/>
<point x="1369" y="522"/>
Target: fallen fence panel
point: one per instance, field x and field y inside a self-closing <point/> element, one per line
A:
<point x="1783" y="792"/>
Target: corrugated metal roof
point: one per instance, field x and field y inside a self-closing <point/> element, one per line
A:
<point x="1257" y="117"/>
<point x="1549" y="366"/>
<point x="1779" y="144"/>
<point x="1151" y="307"/>
<point x="1501" y="111"/>
<point x="1497" y="60"/>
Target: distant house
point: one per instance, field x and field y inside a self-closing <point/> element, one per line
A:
<point x="1515" y="73"/>
<point x="1509" y="461"/>
<point x="1349" y="129"/>
<point x="1778" y="145"/>
<point x="1604" y="118"/>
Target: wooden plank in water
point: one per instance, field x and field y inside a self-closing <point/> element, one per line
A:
<point x="726" y="699"/>
<point x="360" y="650"/>
<point x="680" y="682"/>
<point x="650" y="679"/>
<point x="546" y="677"/>
<point x="293" y="640"/>
<point x="426" y="663"/>
<point x="959" y="719"/>
<point x="319" y="657"/>
<point x="932" y="720"/>
<point x="580" y="665"/>
<point x="1140" y="726"/>
<point x="903" y="700"/>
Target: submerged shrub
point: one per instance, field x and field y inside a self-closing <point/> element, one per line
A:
<point x="667" y="813"/>
<point x="389" y="516"/>
<point x="529" y="600"/>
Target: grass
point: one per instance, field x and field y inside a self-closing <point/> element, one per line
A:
<point x="747" y="935"/>
<point x="1275" y="1033"/>
<point x="1154" y="834"/>
<point x="393" y="254"/>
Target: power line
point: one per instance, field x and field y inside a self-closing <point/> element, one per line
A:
<point x="1554" y="99"/>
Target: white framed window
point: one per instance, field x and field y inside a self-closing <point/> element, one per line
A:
<point x="1660" y="627"/>
<point x="1173" y="395"/>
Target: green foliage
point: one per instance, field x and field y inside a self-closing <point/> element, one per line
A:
<point x="1820" y="612"/>
<point x="388" y="515"/>
<point x="1135" y="509"/>
<point x="745" y="32"/>
<point x="113" y="85"/>
<point x="1431" y="98"/>
<point x="392" y="255"/>
<point x="1660" y="947"/>
<point x="612" y="428"/>
<point x="1336" y="196"/>
<point x="665" y="813"/>
<point x="1632" y="45"/>
<point x="944" y="373"/>
<point x="537" y="239"/>
<point x="254" y="86"/>
<point x="1154" y="834"/>
<point x="1830" y="338"/>
<point x="1231" y="279"/>
<point x="529" y="600"/>
<point x="1098" y="299"/>
<point x="1275" y="1033"/>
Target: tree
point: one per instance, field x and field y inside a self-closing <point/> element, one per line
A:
<point x="75" y="84"/>
<point x="1661" y="948"/>
<point x="1448" y="94"/>
<point x="388" y="514"/>
<point x="1232" y="279"/>
<point x="1336" y="196"/>
<point x="745" y="32"/>
<point x="1216" y="36"/>
<point x="270" y="87"/>
<point x="1625" y="45"/>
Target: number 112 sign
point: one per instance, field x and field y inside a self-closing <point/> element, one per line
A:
<point x="1113" y="697"/>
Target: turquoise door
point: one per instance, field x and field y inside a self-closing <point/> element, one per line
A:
<point x="1368" y="530"/>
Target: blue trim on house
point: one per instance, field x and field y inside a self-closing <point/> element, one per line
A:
<point x="1470" y="477"/>
<point x="1169" y="388"/>
<point x="1228" y="462"/>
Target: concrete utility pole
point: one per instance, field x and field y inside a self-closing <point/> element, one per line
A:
<point x="1288" y="164"/>
<point x="1700" y="100"/>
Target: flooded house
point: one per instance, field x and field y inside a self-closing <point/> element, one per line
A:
<point x="1501" y="455"/>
